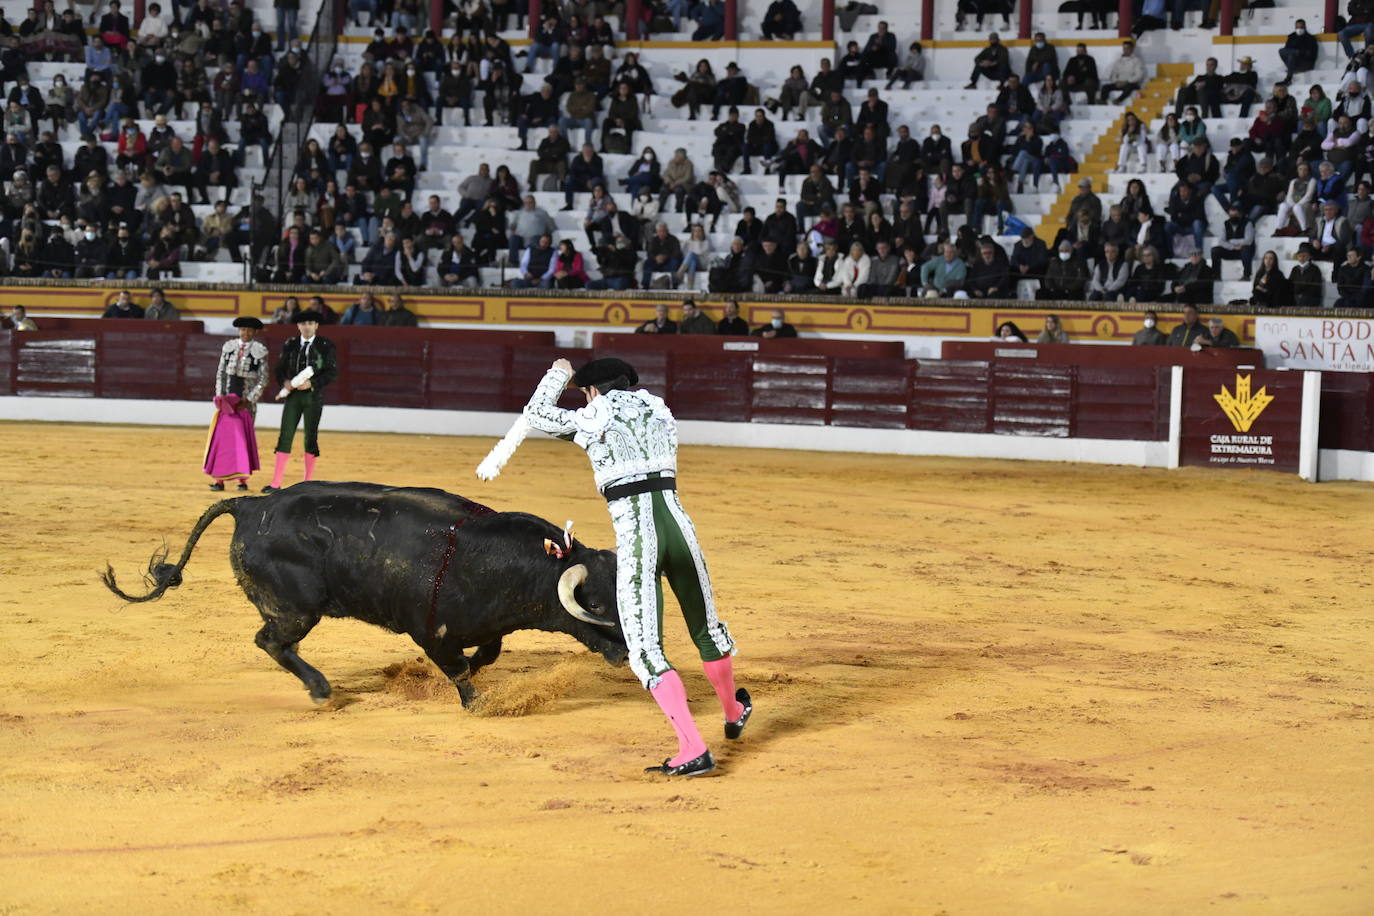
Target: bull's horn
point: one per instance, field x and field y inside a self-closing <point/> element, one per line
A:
<point x="572" y="577"/>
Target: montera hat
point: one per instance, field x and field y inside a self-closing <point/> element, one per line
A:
<point x="599" y="372"/>
<point x="248" y="321"/>
<point x="307" y="315"/>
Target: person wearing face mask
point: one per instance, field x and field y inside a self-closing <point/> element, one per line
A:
<point x="159" y="80"/>
<point x="1066" y="277"/>
<point x="935" y="150"/>
<point x="455" y="91"/>
<point x="1299" y="51"/>
<point x="1149" y="334"/>
<point x="777" y="326"/>
<point x="617" y="264"/>
<point x="91" y="255"/>
<point x="1042" y="60"/>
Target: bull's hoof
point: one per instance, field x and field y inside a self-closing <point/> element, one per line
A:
<point x="697" y="766"/>
<point x="616" y="657"/>
<point x="319" y="695"/>
<point x="467" y="694"/>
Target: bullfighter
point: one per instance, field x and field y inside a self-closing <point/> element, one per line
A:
<point x="631" y="439"/>
<point x="307" y="364"/>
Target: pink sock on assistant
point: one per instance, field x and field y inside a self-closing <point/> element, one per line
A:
<point x="310" y="465"/>
<point x="282" y="458"/>
<point x="671" y="696"/>
<point x="721" y="674"/>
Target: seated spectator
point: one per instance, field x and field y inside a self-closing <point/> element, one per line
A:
<point x="363" y="312"/>
<point x="19" y="320"/>
<point x="1053" y="332"/>
<point x="1305" y="279"/>
<point x="550" y="159"/>
<point x="663" y="254"/>
<point x="1149" y="334"/>
<point x="323" y="263"/>
<point x="696" y="253"/>
<point x="661" y="323"/>
<point x="853" y="271"/>
<point x="527" y="224"/>
<point x="1042" y="60"/>
<point x="616" y="261"/>
<point x="883" y="269"/>
<point x="379" y="267"/>
<point x="1116" y="231"/>
<point x="1350" y="278"/>
<point x="1126" y="76"/>
<point x="679" y="177"/>
<point x="912" y="69"/>
<point x="1109" y="276"/>
<point x="1331" y="235"/>
<point x="781" y="21"/>
<point x="1066" y="277"/>
<point x="777" y="326"/>
<point x="1237" y="243"/>
<point x="1217" y="335"/>
<point x="1271" y="288"/>
<point x="991" y="63"/>
<point x="817" y="193"/>
<point x="123" y="306"/>
<point x="979" y="9"/>
<point x="988" y="278"/>
<point x="880" y="51"/>
<point x="473" y="192"/>
<point x="536" y="265"/>
<point x="1080" y="74"/>
<point x="730" y="91"/>
<point x="1186" y="216"/>
<point x="1193" y="285"/>
<point x="620" y="125"/>
<point x="1008" y="330"/>
<point x="397" y="315"/>
<point x="694" y="321"/>
<point x="943" y="276"/>
<point x="459" y="266"/>
<point x="732" y="324"/>
<point x="163" y="258"/>
<point x="585" y="173"/>
<point x="489" y="234"/>
<point x="1134" y="139"/>
<point x="1029" y="257"/>
<point x="1242" y="86"/>
<point x="710" y="17"/>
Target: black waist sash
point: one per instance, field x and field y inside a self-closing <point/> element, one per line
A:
<point x="651" y="485"/>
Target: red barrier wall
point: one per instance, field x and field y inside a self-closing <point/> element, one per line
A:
<point x="496" y="370"/>
<point x="1088" y="354"/>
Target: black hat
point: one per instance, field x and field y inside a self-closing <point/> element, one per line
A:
<point x="248" y="321"/>
<point x="600" y="372"/>
<point x="307" y="315"/>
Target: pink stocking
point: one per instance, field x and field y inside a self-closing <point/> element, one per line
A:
<point x="721" y="674"/>
<point x="671" y="696"/>
<point x="310" y="465"/>
<point x="282" y="458"/>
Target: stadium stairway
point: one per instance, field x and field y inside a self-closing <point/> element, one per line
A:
<point x="1148" y="104"/>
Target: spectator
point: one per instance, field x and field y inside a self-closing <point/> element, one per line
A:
<point x="91" y="255"/>
<point x="1109" y="276"/>
<point x="710" y="17"/>
<point x="1029" y="256"/>
<point x="777" y="326"/>
<point x="1237" y="243"/>
<point x="943" y="275"/>
<point x="536" y="265"/>
<point x="991" y="63"/>
<point x="489" y="233"/>
<point x="1350" y="280"/>
<point x="1185" y="216"/>
<point x="379" y="267"/>
<point x="1008" y="330"/>
<point x="1150" y="278"/>
<point x="617" y="263"/>
<point x="781" y="21"/>
<point x="1361" y="22"/>
<point x="679" y="177"/>
<point x="1134" y="138"/>
<point x="1168" y="147"/>
<point x="1342" y="145"/>
<point x="661" y="323"/>
<point x="1042" y="60"/>
<point x="125" y="257"/>
<point x="883" y="270"/>
<point x="411" y="265"/>
<point x="584" y="174"/>
<point x="912" y="69"/>
<point x="527" y="224"/>
<point x="1080" y="74"/>
<point x="1271" y="288"/>
<point x="961" y="196"/>
<point x="1116" y="231"/>
<point x="1149" y="335"/>
<point x="323" y="263"/>
<point x="473" y="192"/>
<point x="1126" y="76"/>
<point x="342" y="240"/>
<point x="363" y="312"/>
<point x="413" y="125"/>
<point x="663" y="254"/>
<point x="123" y="306"/>
<point x="988" y="278"/>
<point x="853" y="271"/>
<point x="1305" y="279"/>
<point x="397" y="315"/>
<point x="621" y="122"/>
<point x="1053" y="332"/>
<point x="729" y="92"/>
<point x="1242" y="86"/>
<point x="1066" y="277"/>
<point x="828" y="278"/>
<point x="159" y="309"/>
<point x="459" y="265"/>
<point x="880" y="51"/>
<point x="1332" y="235"/>
<point x="1027" y="155"/>
<point x="732" y="324"/>
<point x="550" y="159"/>
<point x="1217" y="335"/>
<point x="19" y="320"/>
<point x="1262" y="192"/>
<point x="1194" y="282"/>
<point x="694" y="321"/>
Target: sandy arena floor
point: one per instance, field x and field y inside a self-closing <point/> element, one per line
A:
<point x="981" y="687"/>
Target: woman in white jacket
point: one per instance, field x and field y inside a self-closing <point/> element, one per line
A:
<point x="1133" y="137"/>
<point x="1168" y="146"/>
<point x="853" y="272"/>
<point x="1297" y="203"/>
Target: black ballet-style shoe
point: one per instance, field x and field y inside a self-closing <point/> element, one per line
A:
<point x="697" y="766"/>
<point x="736" y="728"/>
<point x="243" y="486"/>
<point x="270" y="489"/>
<point x="217" y="486"/>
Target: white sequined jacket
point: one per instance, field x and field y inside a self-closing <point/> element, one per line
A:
<point x="627" y="434"/>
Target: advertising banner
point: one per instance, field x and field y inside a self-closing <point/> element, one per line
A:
<point x="1242" y="418"/>
<point x="1328" y="344"/>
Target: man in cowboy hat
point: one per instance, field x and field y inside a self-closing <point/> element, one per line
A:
<point x="631" y="439"/>
<point x="304" y="399"/>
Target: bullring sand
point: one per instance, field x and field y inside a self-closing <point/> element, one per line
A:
<point x="981" y="687"/>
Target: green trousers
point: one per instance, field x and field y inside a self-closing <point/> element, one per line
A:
<point x="655" y="538"/>
<point x="301" y="404"/>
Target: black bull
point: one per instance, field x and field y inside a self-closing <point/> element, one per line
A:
<point x="449" y="572"/>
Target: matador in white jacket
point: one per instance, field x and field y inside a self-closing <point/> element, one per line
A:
<point x="631" y="439"/>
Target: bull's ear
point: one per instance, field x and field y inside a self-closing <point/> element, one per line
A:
<point x="550" y="548"/>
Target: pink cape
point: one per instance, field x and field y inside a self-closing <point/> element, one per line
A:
<point x="232" y="447"/>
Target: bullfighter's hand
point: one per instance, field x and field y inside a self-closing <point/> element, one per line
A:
<point x="565" y="366"/>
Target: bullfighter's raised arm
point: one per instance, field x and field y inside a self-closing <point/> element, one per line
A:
<point x="543" y="413"/>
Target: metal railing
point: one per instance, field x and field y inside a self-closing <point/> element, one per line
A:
<point x="297" y="117"/>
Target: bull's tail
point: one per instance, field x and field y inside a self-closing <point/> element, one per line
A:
<point x="162" y="575"/>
